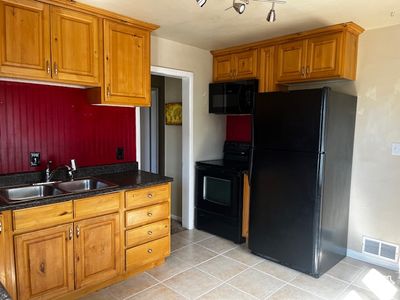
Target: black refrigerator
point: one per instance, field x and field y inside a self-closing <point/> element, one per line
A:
<point x="300" y="177"/>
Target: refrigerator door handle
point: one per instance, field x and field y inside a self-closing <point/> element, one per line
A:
<point x="251" y="165"/>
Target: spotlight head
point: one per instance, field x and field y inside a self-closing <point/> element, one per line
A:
<point x="201" y="2"/>
<point x="239" y="7"/>
<point x="271" y="17"/>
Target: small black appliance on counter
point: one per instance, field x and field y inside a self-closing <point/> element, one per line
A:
<point x="219" y="192"/>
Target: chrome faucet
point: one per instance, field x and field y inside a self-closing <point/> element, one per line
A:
<point x="71" y="169"/>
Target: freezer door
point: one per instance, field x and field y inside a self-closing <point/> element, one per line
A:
<point x="284" y="207"/>
<point x="289" y="120"/>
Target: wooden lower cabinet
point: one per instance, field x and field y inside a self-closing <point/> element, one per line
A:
<point x="44" y="263"/>
<point x="97" y="250"/>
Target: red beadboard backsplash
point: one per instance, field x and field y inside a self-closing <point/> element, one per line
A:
<point x="238" y="128"/>
<point x="59" y="123"/>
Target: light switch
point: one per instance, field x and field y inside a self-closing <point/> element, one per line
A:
<point x="396" y="149"/>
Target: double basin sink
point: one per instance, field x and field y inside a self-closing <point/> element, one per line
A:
<point x="45" y="190"/>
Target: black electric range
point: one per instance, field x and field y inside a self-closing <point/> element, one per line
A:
<point x="219" y="192"/>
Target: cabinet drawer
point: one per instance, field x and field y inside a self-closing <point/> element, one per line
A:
<point x="147" y="214"/>
<point x="42" y="216"/>
<point x="147" y="253"/>
<point x="147" y="233"/>
<point x="95" y="206"/>
<point x="147" y="196"/>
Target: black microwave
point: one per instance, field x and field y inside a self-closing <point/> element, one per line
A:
<point x="233" y="98"/>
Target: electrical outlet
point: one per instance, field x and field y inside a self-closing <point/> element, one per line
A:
<point x="396" y="149"/>
<point x="120" y="153"/>
<point x="34" y="159"/>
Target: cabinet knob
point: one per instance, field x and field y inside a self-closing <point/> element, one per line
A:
<point x="42" y="268"/>
<point x="71" y="233"/>
<point x="149" y="214"/>
<point x="308" y="70"/>
<point x="149" y="232"/>
<point x="55" y="68"/>
<point x="1" y="227"/>
<point x="149" y="250"/>
<point x="78" y="231"/>
<point x="303" y="71"/>
<point x="150" y="195"/>
<point x="48" y="68"/>
<point x="108" y="91"/>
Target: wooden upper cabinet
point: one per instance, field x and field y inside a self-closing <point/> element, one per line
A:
<point x="241" y="65"/>
<point x="324" y="56"/>
<point x="24" y="39"/>
<point x="97" y="250"/>
<point x="266" y="70"/>
<point x="291" y="60"/>
<point x="75" y="46"/>
<point x="126" y="65"/>
<point x="44" y="263"/>
<point x="223" y="68"/>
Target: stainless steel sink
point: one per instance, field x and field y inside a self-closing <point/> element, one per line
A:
<point x="83" y="185"/>
<point x="28" y="193"/>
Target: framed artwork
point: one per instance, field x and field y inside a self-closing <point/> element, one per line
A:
<point x="173" y="113"/>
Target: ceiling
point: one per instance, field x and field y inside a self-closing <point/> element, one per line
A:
<point x="211" y="27"/>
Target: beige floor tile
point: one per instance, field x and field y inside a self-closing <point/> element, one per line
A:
<point x="193" y="254"/>
<point x="132" y="286"/>
<point x="325" y="286"/>
<point x="243" y="255"/>
<point x="192" y="283"/>
<point x="158" y="292"/>
<point x="355" y="262"/>
<point x="382" y="282"/>
<point x="277" y="270"/>
<point x="289" y="292"/>
<point x="222" y="267"/>
<point x="193" y="235"/>
<point x="178" y="242"/>
<point x="256" y="283"/>
<point x="100" y="295"/>
<point x="171" y="267"/>
<point x="226" y="292"/>
<point x="356" y="293"/>
<point x="345" y="271"/>
<point x="218" y="244"/>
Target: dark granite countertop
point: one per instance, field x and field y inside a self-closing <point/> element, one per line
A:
<point x="131" y="179"/>
<point x="3" y="293"/>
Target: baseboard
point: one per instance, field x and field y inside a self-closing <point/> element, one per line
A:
<point x="176" y="218"/>
<point x="373" y="260"/>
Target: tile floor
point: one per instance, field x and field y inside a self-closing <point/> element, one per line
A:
<point x="203" y="266"/>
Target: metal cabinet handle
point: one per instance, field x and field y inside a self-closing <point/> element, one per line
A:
<point x="150" y="195"/>
<point x="55" y="69"/>
<point x="149" y="232"/>
<point x="78" y="231"/>
<point x="71" y="233"/>
<point x="1" y="227"/>
<point x="108" y="91"/>
<point x="149" y="214"/>
<point x="42" y="268"/>
<point x="308" y="70"/>
<point x="303" y="71"/>
<point x="48" y="68"/>
<point x="149" y="250"/>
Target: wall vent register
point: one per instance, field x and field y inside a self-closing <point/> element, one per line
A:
<point x="380" y="249"/>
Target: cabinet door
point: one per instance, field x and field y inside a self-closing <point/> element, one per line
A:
<point x="266" y="74"/>
<point x="127" y="65"/>
<point x="324" y="56"/>
<point x="75" y="46"/>
<point x="44" y="263"/>
<point x="291" y="61"/>
<point x="24" y="39"/>
<point x="2" y="253"/>
<point x="97" y="250"/>
<point x="223" y="69"/>
<point x="245" y="64"/>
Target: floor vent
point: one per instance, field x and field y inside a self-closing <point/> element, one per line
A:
<point x="380" y="249"/>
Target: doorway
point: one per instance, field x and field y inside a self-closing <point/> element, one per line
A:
<point x="145" y="145"/>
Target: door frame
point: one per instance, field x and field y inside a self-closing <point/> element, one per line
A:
<point x="187" y="140"/>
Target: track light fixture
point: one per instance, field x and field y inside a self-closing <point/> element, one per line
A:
<point x="240" y="7"/>
<point x="201" y="2"/>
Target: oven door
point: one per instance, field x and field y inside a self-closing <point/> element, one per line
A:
<point x="218" y="191"/>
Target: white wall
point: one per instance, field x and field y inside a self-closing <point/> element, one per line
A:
<point x="375" y="192"/>
<point x="173" y="147"/>
<point x="209" y="130"/>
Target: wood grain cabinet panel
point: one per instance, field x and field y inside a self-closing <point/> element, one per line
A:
<point x="291" y="61"/>
<point x="96" y="206"/>
<point x="147" y="214"/>
<point x="127" y="64"/>
<point x="266" y="70"/>
<point x="223" y="68"/>
<point x="97" y="250"/>
<point x="245" y="64"/>
<point x="147" y="196"/>
<point x="147" y="233"/>
<point x="2" y="252"/>
<point x="44" y="263"/>
<point x="75" y="46"/>
<point x="25" y="39"/>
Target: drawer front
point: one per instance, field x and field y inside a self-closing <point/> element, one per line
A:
<point x="95" y="206"/>
<point x="43" y="216"/>
<point x="147" y="253"/>
<point x="147" y="233"/>
<point x="147" y="214"/>
<point x="147" y="196"/>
